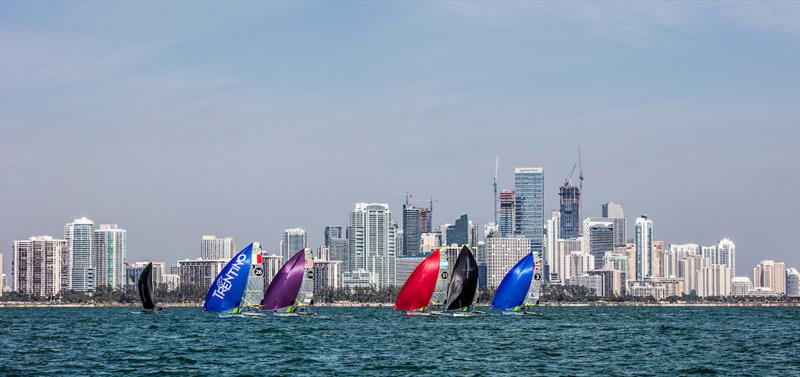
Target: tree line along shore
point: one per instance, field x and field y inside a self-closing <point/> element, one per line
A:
<point x="189" y="295"/>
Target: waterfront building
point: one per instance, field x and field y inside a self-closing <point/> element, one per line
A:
<point x="372" y="243"/>
<point x="570" y="211"/>
<point x="357" y="278"/>
<point x="646" y="288"/>
<point x="529" y="205"/>
<point x="2" y="276"/>
<point x="612" y="282"/>
<point x="171" y="281"/>
<point x="615" y="212"/>
<point x="430" y="241"/>
<point x="406" y="265"/>
<point x="473" y="233"/>
<point x="327" y="274"/>
<point x="458" y="233"/>
<point x="688" y="269"/>
<point x="331" y="233"/>
<point x="741" y="285"/>
<point x="36" y="265"/>
<point x="399" y="243"/>
<point x="578" y="263"/>
<point x="630" y="251"/>
<point x="294" y="240"/>
<point x="551" y="237"/>
<point x="714" y="280"/>
<point x="506" y="222"/>
<point x="502" y="253"/>
<point x="200" y="272"/>
<point x="212" y="247"/>
<point x="134" y="270"/>
<point x="792" y="282"/>
<point x="272" y="264"/>
<point x="658" y="253"/>
<point x="561" y="260"/>
<point x="598" y="238"/>
<point x="79" y="235"/>
<point x="673" y="287"/>
<point x="425" y="218"/>
<point x="593" y="282"/>
<point x="615" y="261"/>
<point x="412" y="230"/>
<point x="110" y="252"/>
<point x="762" y="292"/>
<point x="644" y="248"/>
<point x="727" y="254"/>
<point x="770" y="274"/>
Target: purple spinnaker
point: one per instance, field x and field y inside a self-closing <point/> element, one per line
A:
<point x="285" y="286"/>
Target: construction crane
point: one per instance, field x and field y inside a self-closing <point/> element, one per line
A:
<point x="580" y="170"/>
<point x="569" y="178"/>
<point x="494" y="185"/>
<point x="407" y="195"/>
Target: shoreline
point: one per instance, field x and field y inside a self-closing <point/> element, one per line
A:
<point x="12" y="304"/>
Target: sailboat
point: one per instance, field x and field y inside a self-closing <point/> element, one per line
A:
<point x="512" y="293"/>
<point x="226" y="293"/>
<point x="463" y="284"/>
<point x="281" y="297"/>
<point x="416" y="293"/>
<point x="146" y="288"/>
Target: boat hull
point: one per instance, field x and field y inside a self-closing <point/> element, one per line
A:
<point x="418" y="314"/>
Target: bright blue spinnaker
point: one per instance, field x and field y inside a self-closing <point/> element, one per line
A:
<point x="226" y="292"/>
<point x="514" y="288"/>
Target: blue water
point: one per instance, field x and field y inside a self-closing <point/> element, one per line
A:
<point x="376" y="341"/>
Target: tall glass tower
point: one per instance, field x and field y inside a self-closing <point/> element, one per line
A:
<point x="570" y="211"/>
<point x="644" y="248"/>
<point x="79" y="235"/>
<point x="529" y="205"/>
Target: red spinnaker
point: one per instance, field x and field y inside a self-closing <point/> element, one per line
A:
<point x="418" y="289"/>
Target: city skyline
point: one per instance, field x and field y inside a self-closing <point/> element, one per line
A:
<point x="154" y="108"/>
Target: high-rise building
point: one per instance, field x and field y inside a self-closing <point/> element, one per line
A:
<point x="615" y="212"/>
<point x="688" y="270"/>
<point x="36" y="266"/>
<point x="727" y="253"/>
<point x="199" y="272"/>
<point x="615" y="261"/>
<point x="792" y="282"/>
<point x="506" y="221"/>
<point x="491" y="230"/>
<point x="406" y="265"/>
<point x="770" y="274"/>
<point x="502" y="254"/>
<point x="134" y="270"/>
<point x="612" y="282"/>
<point x="570" y="211"/>
<point x="577" y="264"/>
<point x="212" y="247"/>
<point x="560" y="268"/>
<point x="714" y="280"/>
<point x="327" y="274"/>
<point x="425" y="216"/>
<point x="598" y="238"/>
<point x="293" y="240"/>
<point x="472" y="233"/>
<point x="79" y="235"/>
<point x="430" y="241"/>
<point x="593" y="282"/>
<point x="458" y="233"/>
<point x="552" y="233"/>
<point x="110" y="252"/>
<point x="372" y="241"/>
<point x="332" y="232"/>
<point x="741" y="286"/>
<point x="529" y="205"/>
<point x="272" y="264"/>
<point x="2" y="276"/>
<point x="657" y="257"/>
<point x="630" y="252"/>
<point x="412" y="230"/>
<point x="644" y="248"/>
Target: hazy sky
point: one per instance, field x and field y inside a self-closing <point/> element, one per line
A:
<point x="175" y="120"/>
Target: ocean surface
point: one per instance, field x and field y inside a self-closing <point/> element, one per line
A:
<point x="379" y="341"/>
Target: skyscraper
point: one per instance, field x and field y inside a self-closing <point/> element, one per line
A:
<point x="598" y="238"/>
<point x="529" y="205"/>
<point x="727" y="254"/>
<point x="332" y="232"/>
<point x="36" y="266"/>
<point x="644" y="248"/>
<point x="293" y="240"/>
<point x="412" y="229"/>
<point x="372" y="240"/>
<point x="425" y="220"/>
<point x="552" y="235"/>
<point x="79" y="235"/>
<point x="459" y="232"/>
<point x="506" y="222"/>
<point x="770" y="274"/>
<point x="110" y="251"/>
<point x="570" y="211"/>
<point x="212" y="247"/>
<point x="502" y="254"/>
<point x="792" y="282"/>
<point x="614" y="211"/>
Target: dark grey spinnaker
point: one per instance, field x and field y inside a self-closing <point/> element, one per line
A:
<point x="146" y="287"/>
<point x="464" y="281"/>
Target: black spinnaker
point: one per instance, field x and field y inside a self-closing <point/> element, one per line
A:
<point x="146" y="287"/>
<point x="464" y="281"/>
